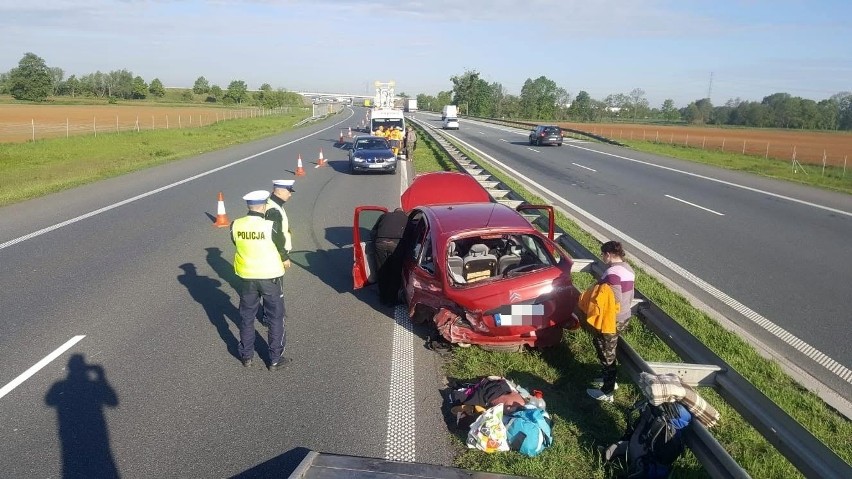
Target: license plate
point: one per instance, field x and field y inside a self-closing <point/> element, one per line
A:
<point x="376" y="165"/>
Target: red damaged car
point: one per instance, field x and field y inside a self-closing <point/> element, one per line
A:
<point x="475" y="268"/>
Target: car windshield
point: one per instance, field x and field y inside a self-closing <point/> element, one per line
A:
<point x="372" y="144"/>
<point x="495" y="257"/>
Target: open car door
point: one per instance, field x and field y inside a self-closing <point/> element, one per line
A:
<point x="363" y="249"/>
<point x="550" y="217"/>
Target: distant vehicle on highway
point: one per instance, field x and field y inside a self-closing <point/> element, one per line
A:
<point x="546" y="135"/>
<point x="450" y="111"/>
<point x="478" y="270"/>
<point x="451" y="123"/>
<point x="371" y="153"/>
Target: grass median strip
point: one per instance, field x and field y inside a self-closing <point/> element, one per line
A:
<point x="564" y="372"/>
<point x="834" y="178"/>
<point x="29" y="170"/>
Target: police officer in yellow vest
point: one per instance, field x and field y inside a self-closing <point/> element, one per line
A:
<point x="260" y="261"/>
<point x="281" y="192"/>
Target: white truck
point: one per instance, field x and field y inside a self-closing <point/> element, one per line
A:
<point x="450" y="111"/>
<point x="411" y="104"/>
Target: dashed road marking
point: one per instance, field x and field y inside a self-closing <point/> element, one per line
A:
<point x="694" y="205"/>
<point x="37" y="366"/>
<point x="586" y="167"/>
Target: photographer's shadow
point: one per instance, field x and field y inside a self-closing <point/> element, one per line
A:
<point x="79" y="401"/>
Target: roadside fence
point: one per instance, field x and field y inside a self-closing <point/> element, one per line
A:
<point x="126" y="120"/>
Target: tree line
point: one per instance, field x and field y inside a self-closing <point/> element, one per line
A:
<point x="543" y="99"/>
<point x="33" y="80"/>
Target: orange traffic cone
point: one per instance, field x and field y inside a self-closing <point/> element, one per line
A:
<point x="300" y="170"/>
<point x="222" y="220"/>
<point x="321" y="161"/>
<point x="341" y="137"/>
<point x="350" y="132"/>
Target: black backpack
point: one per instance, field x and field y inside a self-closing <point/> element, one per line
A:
<point x="654" y="441"/>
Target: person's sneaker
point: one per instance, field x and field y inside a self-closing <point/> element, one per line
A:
<point x="280" y="364"/>
<point x="246" y="362"/>
<point x="599" y="395"/>
<point x="599" y="382"/>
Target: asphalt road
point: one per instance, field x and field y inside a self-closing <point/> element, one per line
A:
<point x="782" y="250"/>
<point x="154" y="388"/>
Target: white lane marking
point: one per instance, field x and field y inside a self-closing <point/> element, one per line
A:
<point x="586" y="167"/>
<point x="37" y="366"/>
<point x="728" y="183"/>
<point x="155" y="191"/>
<point x="779" y="332"/>
<point x="403" y="177"/>
<point x="533" y="149"/>
<point x="504" y="140"/>
<point x="400" y="438"/>
<point x="693" y="204"/>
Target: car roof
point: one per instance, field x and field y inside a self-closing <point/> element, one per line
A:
<point x="369" y="137"/>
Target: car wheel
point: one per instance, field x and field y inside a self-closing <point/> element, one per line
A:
<point x="503" y="348"/>
<point x="559" y="144"/>
<point x="531" y="142"/>
<point x="352" y="168"/>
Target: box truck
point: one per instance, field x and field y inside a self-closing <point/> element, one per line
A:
<point x="411" y="104"/>
<point x="450" y="111"/>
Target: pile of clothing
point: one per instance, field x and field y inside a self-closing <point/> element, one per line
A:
<point x="654" y="440"/>
<point x="500" y="416"/>
<point x="667" y="388"/>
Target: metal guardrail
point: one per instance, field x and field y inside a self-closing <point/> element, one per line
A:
<point x="810" y="456"/>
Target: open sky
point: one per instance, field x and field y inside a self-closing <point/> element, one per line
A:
<point x="669" y="48"/>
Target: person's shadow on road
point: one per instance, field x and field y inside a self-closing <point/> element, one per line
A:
<point x="79" y="402"/>
<point x="217" y="305"/>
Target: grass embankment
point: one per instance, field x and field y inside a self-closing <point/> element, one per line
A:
<point x="833" y="178"/>
<point x="29" y="170"/>
<point x="564" y="372"/>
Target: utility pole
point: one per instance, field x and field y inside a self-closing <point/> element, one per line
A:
<point x="710" y="88"/>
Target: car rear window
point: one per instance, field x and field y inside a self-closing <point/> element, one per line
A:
<point x="557" y="131"/>
<point x="495" y="257"/>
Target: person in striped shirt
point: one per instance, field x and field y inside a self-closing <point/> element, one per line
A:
<point x="620" y="277"/>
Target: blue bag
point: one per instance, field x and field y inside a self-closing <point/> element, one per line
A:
<point x="528" y="430"/>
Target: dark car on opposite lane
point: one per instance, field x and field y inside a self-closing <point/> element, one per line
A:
<point x="546" y="135"/>
<point x="371" y="153"/>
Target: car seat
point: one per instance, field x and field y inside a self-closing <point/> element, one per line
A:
<point x="510" y="259"/>
<point x="455" y="263"/>
<point x="479" y="264"/>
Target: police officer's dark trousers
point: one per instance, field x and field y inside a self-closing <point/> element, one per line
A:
<point x="273" y="309"/>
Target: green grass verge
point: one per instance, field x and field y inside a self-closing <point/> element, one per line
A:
<point x="580" y="424"/>
<point x="833" y="179"/>
<point x="29" y="170"/>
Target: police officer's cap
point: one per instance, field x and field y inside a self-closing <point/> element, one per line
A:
<point x="287" y="184"/>
<point x="258" y="197"/>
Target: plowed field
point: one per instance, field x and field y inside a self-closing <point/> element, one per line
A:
<point x="27" y="122"/>
<point x="808" y="146"/>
